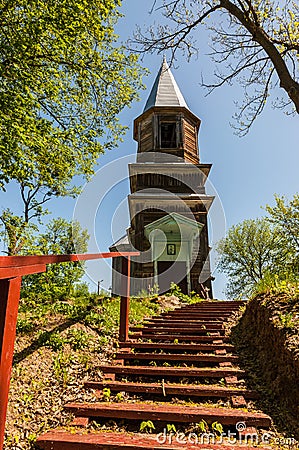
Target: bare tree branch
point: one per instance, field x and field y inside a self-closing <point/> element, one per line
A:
<point x="252" y="43"/>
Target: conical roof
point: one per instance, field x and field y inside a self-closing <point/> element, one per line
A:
<point x="165" y="91"/>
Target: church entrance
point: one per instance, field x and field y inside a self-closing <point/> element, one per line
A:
<point x="172" y="240"/>
<point x="172" y="272"/>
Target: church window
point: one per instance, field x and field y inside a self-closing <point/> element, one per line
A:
<point x="168" y="135"/>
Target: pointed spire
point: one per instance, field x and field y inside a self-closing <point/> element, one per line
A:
<point x="165" y="91"/>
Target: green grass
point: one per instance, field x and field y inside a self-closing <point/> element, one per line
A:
<point x="176" y="291"/>
<point x="283" y="283"/>
<point x="100" y="313"/>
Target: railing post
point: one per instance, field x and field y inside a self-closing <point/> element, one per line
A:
<point x="125" y="300"/>
<point x="9" y="303"/>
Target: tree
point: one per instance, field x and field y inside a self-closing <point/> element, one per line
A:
<point x="64" y="80"/>
<point x="60" y="237"/>
<point x="250" y="250"/>
<point x="17" y="232"/>
<point x="285" y="216"/>
<point x="253" y="41"/>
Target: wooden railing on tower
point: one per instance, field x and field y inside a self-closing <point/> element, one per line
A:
<point x="12" y="268"/>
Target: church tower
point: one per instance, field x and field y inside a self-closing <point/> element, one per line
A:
<point x="168" y="204"/>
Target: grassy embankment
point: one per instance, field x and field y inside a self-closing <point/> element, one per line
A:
<point x="267" y="336"/>
<point x="59" y="345"/>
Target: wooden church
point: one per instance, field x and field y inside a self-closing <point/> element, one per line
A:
<point x="168" y="203"/>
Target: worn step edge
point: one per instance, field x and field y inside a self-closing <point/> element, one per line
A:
<point x="191" y="331"/>
<point x="216" y="308"/>
<point x="183" y="347"/>
<point x="206" y="313"/>
<point x="176" y="357"/>
<point x="179" y="337"/>
<point x="172" y="371"/>
<point x="187" y="319"/>
<point x="171" y="389"/>
<point x="168" y="412"/>
<point x="62" y="440"/>
<point x="194" y="316"/>
<point x="182" y="324"/>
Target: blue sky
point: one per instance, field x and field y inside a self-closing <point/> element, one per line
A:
<point x="246" y="171"/>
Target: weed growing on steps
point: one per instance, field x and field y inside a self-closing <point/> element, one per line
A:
<point x="217" y="428"/>
<point x="198" y="428"/>
<point x="120" y="397"/>
<point x="106" y="393"/>
<point x="171" y="428"/>
<point x="147" y="427"/>
<point x="177" y="292"/>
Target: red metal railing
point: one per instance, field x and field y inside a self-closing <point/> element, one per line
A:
<point x="12" y="268"/>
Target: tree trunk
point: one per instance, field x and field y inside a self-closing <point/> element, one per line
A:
<point x="260" y="36"/>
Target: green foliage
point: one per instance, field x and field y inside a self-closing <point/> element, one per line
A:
<point x="151" y="292"/>
<point x="147" y="426"/>
<point x="106" y="394"/>
<point x="284" y="313"/>
<point x="177" y="292"/>
<point x="16" y="233"/>
<point x="32" y="437"/>
<point x="202" y="426"/>
<point x="53" y="340"/>
<point x="144" y="308"/>
<point x="217" y="428"/>
<point x="250" y="250"/>
<point x="262" y="255"/>
<point x="64" y="81"/>
<point x="60" y="237"/>
<point x="287" y="320"/>
<point x="171" y="428"/>
<point x="101" y="314"/>
<point x="78" y="339"/>
<point x="24" y="326"/>
<point x="283" y="282"/>
<point x="119" y="397"/>
<point x="61" y="364"/>
<point x="285" y="216"/>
